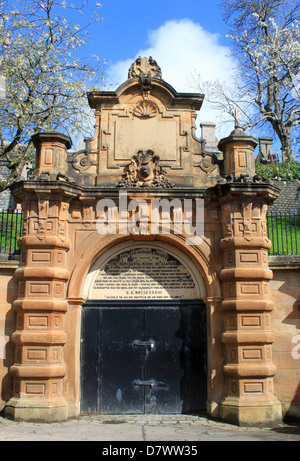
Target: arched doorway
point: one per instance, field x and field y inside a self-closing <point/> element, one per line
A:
<point x="144" y="342"/>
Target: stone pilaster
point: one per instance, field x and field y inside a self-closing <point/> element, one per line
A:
<point x="39" y="367"/>
<point x="247" y="337"/>
<point x="215" y="379"/>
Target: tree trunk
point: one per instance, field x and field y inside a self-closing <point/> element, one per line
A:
<point x="284" y="134"/>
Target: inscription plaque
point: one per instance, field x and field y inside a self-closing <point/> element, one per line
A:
<point x="134" y="135"/>
<point x="144" y="273"/>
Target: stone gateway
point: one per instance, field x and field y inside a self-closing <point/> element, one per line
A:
<point x="136" y="321"/>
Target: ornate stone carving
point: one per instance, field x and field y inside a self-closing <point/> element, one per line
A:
<point x="208" y="164"/>
<point x="145" y="109"/>
<point x="144" y="67"/>
<point x="244" y="178"/>
<point x="81" y="161"/>
<point x="248" y="368"/>
<point x="144" y="170"/>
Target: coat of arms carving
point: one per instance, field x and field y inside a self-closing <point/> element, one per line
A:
<point x="144" y="67"/>
<point x="144" y="170"/>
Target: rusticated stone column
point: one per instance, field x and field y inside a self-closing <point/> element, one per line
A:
<point x="40" y="336"/>
<point x="247" y="337"/>
<point x="215" y="379"/>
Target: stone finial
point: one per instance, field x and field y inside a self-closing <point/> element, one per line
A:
<point x="144" y="68"/>
<point x="51" y="153"/>
<point x="238" y="149"/>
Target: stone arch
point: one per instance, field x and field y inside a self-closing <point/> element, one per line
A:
<point x="201" y="257"/>
<point x="96" y="244"/>
<point x="162" y="251"/>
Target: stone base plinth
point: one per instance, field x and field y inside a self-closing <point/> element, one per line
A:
<point x="35" y="410"/>
<point x="291" y="411"/>
<point x="243" y="413"/>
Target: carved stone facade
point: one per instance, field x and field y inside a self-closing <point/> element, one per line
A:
<point x="145" y="147"/>
<point x="143" y="114"/>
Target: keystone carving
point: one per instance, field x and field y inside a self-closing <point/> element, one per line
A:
<point x="144" y="170"/>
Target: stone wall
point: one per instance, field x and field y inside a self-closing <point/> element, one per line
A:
<point x="6" y="199"/>
<point x="285" y="293"/>
<point x="289" y="198"/>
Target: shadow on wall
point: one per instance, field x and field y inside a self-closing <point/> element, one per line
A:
<point x="294" y="319"/>
<point x="289" y="335"/>
<point x="8" y="351"/>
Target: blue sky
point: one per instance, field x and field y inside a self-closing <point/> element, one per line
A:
<point x="185" y="37"/>
<point x="127" y="24"/>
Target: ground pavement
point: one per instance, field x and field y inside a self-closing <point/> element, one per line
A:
<point x="142" y="428"/>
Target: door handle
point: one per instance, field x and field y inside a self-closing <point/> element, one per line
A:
<point x="159" y="385"/>
<point x="150" y="343"/>
<point x="139" y="382"/>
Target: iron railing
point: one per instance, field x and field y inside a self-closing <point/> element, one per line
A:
<point x="11" y="224"/>
<point x="283" y="231"/>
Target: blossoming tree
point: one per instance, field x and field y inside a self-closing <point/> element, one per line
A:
<point x="45" y="72"/>
<point x="265" y="37"/>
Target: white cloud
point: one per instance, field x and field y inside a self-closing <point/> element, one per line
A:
<point x="181" y="48"/>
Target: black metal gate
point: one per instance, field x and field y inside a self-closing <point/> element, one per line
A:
<point x="146" y="357"/>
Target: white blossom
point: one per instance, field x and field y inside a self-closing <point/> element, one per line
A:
<point x="266" y="45"/>
<point x="46" y="83"/>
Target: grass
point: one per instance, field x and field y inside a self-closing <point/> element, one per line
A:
<point x="284" y="233"/>
<point x="10" y="231"/>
